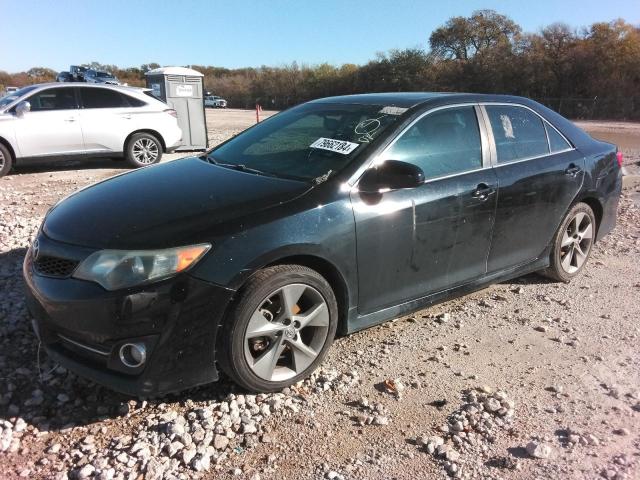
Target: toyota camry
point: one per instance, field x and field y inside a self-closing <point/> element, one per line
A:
<point x="325" y="219"/>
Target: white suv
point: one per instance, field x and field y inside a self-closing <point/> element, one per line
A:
<point x="54" y="121"/>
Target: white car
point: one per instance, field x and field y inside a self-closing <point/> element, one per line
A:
<point x="61" y="121"/>
<point x="214" y="101"/>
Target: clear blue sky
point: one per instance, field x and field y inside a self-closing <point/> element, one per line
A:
<point x="252" y="33"/>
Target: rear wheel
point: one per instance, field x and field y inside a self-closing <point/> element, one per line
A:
<point x="6" y="160"/>
<point x="143" y="149"/>
<point x="572" y="243"/>
<point x="280" y="328"/>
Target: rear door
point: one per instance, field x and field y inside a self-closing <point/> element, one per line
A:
<point x="52" y="127"/>
<point x="418" y="241"/>
<point x="539" y="174"/>
<point x="107" y="117"/>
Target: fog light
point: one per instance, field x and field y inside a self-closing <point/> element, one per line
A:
<point x="133" y="355"/>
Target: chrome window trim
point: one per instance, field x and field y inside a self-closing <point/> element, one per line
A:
<point x="484" y="144"/>
<point x="492" y="141"/>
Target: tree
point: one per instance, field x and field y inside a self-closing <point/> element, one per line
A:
<point x="461" y="38"/>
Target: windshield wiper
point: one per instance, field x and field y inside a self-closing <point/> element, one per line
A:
<point x="240" y="167"/>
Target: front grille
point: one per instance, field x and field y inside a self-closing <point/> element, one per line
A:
<point x="54" y="266"/>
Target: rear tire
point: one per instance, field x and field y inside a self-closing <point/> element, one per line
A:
<point x="279" y="329"/>
<point x="143" y="149"/>
<point x="6" y="160"/>
<point x="572" y="244"/>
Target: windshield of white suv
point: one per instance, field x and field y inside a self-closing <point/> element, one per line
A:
<point x="13" y="96"/>
<point x="309" y="142"/>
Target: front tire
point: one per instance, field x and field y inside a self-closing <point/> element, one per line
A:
<point x="6" y="160"/>
<point x="572" y="244"/>
<point x="143" y="149"/>
<point x="279" y="329"/>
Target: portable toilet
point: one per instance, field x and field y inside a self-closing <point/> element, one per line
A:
<point x="182" y="89"/>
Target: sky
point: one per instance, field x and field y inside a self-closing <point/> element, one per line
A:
<point x="251" y="33"/>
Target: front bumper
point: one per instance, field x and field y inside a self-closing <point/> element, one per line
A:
<point x="82" y="327"/>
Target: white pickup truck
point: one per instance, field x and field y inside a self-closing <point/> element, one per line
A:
<point x="214" y="101"/>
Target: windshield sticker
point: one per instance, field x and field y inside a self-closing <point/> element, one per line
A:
<point x="393" y="110"/>
<point x="366" y="129"/>
<point x="337" y="146"/>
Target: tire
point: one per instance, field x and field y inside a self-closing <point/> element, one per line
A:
<point x="143" y="149"/>
<point x="572" y="244"/>
<point x="263" y="348"/>
<point x="6" y="160"/>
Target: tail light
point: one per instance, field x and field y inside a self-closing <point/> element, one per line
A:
<point x="171" y="112"/>
<point x="619" y="158"/>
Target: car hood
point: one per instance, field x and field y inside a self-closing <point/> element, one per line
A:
<point x="175" y="203"/>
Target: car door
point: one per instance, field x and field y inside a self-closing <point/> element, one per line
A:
<point x="414" y="242"/>
<point x="539" y="174"/>
<point x="107" y="118"/>
<point x="52" y="126"/>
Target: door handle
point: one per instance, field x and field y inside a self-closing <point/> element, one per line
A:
<point x="70" y="119"/>
<point x="572" y="170"/>
<point x="126" y="117"/>
<point x="483" y="192"/>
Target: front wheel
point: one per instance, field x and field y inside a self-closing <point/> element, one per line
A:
<point x="279" y="329"/>
<point x="143" y="149"/>
<point x="6" y="160"/>
<point x="572" y="243"/>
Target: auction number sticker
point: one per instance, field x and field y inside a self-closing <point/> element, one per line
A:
<point x="338" y="146"/>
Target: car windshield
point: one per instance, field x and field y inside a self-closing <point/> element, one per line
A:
<point x="104" y="75"/>
<point x="308" y="142"/>
<point x="11" y="97"/>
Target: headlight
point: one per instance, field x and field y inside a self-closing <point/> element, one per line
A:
<point x="115" y="269"/>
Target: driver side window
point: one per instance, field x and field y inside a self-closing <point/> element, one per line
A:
<point x="53" y="99"/>
<point x="442" y="143"/>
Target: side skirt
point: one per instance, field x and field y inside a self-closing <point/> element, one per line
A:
<point x="44" y="159"/>
<point x="358" y="322"/>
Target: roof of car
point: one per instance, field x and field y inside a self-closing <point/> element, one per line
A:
<point x="90" y="85"/>
<point x="412" y="99"/>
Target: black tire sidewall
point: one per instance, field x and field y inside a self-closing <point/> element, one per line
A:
<point x="556" y="269"/>
<point x="129" y="150"/>
<point x="8" y="160"/>
<point x="264" y="283"/>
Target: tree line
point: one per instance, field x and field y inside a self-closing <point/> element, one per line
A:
<point x="593" y="72"/>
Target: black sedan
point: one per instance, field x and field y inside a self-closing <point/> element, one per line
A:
<point x="327" y="218"/>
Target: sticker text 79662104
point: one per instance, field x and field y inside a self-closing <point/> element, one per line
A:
<point x="337" y="146"/>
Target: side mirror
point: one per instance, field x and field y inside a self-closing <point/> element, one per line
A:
<point x="22" y="108"/>
<point x="391" y="175"/>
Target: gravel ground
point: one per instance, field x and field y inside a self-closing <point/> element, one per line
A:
<point x="526" y="379"/>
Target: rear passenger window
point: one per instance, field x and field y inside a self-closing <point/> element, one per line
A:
<point x="518" y="133"/>
<point x="102" y="98"/>
<point x="556" y="141"/>
<point x="441" y="143"/>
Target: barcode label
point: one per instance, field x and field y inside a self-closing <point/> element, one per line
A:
<point x="338" y="146"/>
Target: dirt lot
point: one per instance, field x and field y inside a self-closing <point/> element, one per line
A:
<point x="526" y="379"/>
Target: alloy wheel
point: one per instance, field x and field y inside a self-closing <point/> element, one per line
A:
<point x="576" y="242"/>
<point x="1" y="160"/>
<point x="145" y="151"/>
<point x="286" y="332"/>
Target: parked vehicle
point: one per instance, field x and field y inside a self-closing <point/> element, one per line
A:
<point x="214" y="101"/>
<point x="77" y="73"/>
<point x="55" y="121"/>
<point x="64" y="77"/>
<point x="9" y="90"/>
<point x="95" y="76"/>
<point x="332" y="216"/>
